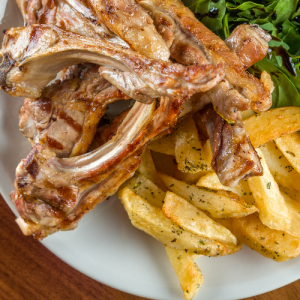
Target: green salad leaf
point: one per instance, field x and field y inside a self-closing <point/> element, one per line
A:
<point x="281" y="19"/>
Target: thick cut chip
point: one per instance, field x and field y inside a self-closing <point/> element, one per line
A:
<point x="211" y="181"/>
<point x="146" y="189"/>
<point x="194" y="220"/>
<point x="220" y="204"/>
<point x="147" y="168"/>
<point x="295" y="195"/>
<point x="290" y="147"/>
<point x="294" y="210"/>
<point x="151" y="220"/>
<point x="280" y="167"/>
<point x="164" y="163"/>
<point x="165" y="144"/>
<point x="187" y="271"/>
<point x="278" y="122"/>
<point x="271" y="243"/>
<point x="273" y="211"/>
<point x="188" y="148"/>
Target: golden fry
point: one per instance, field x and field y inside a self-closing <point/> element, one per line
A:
<point x="211" y="181"/>
<point x="147" y="168"/>
<point x="290" y="147"/>
<point x="272" y="124"/>
<point x="280" y="167"/>
<point x="146" y="189"/>
<point x="271" y="243"/>
<point x="188" y="148"/>
<point x="194" y="220"/>
<point x="187" y="271"/>
<point x="273" y="211"/>
<point x="220" y="204"/>
<point x="151" y="220"/>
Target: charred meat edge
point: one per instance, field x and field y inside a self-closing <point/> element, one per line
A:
<point x="49" y="48"/>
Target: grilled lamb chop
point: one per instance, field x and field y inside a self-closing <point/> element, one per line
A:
<point x="67" y="115"/>
<point x="65" y="118"/>
<point x="191" y="42"/>
<point x="29" y="51"/>
<point x="188" y="45"/>
<point x="52" y="194"/>
<point x="234" y="157"/>
<point x="49" y="200"/>
<point x="130" y="22"/>
<point x="45" y="210"/>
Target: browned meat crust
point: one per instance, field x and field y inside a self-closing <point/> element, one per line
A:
<point x="45" y="210"/>
<point x="70" y="15"/>
<point x="192" y="42"/>
<point x="33" y="48"/>
<point x="49" y="200"/>
<point x="130" y="22"/>
<point x="249" y="42"/>
<point x="234" y="157"/>
<point x="66" y="117"/>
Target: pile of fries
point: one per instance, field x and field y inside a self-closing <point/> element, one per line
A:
<point x="177" y="198"/>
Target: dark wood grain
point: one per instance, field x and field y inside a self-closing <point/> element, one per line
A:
<point x="29" y="271"/>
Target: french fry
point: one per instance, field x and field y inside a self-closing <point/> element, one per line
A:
<point x="272" y="124"/>
<point x="188" y="148"/>
<point x="147" y="169"/>
<point x="211" y="181"/>
<point x="294" y="210"/>
<point x="151" y="220"/>
<point x="271" y="243"/>
<point x="187" y="271"/>
<point x="280" y="167"/>
<point x="295" y="195"/>
<point x="164" y="163"/>
<point x="290" y="147"/>
<point x="146" y="189"/>
<point x="165" y="144"/>
<point x="220" y="204"/>
<point x="194" y="220"/>
<point x="273" y="211"/>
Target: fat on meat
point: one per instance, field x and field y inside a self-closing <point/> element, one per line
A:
<point x="66" y="117"/>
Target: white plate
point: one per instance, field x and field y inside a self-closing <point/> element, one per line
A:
<point x="107" y="248"/>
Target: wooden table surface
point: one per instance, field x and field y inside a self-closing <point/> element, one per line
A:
<point x="28" y="271"/>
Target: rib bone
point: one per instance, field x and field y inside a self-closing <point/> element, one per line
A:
<point x="34" y="55"/>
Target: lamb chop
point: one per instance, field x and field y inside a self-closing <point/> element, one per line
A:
<point x="66" y="116"/>
<point x="30" y="190"/>
<point x="53" y="194"/>
<point x="189" y="45"/>
<point x="29" y="51"/>
<point x="191" y="42"/>
<point x="44" y="211"/>
<point x="49" y="200"/>
<point x="234" y="157"/>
